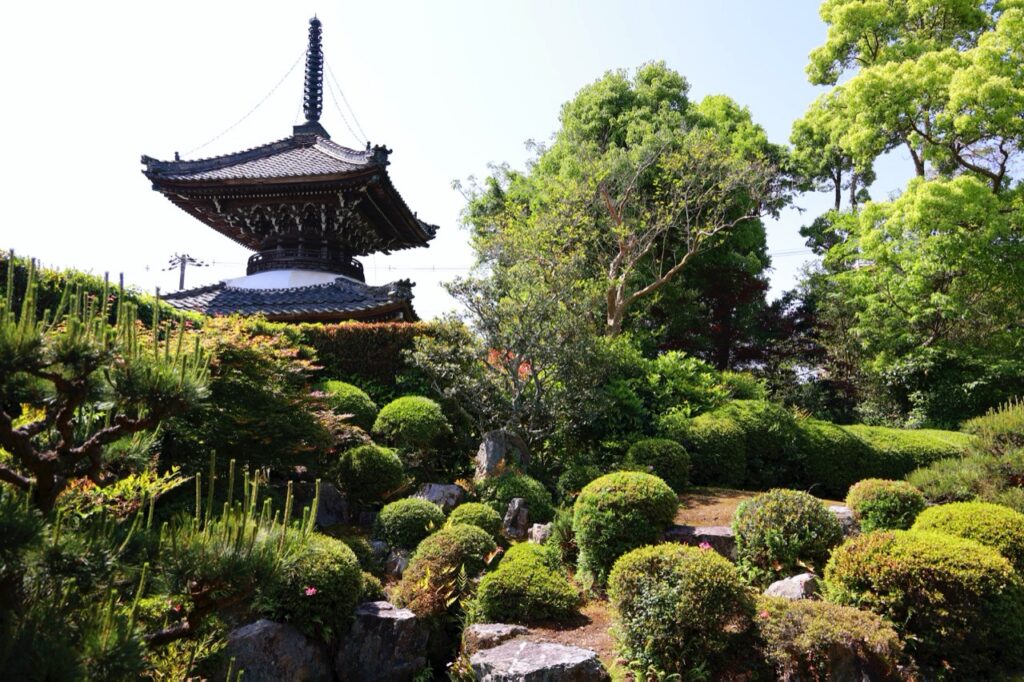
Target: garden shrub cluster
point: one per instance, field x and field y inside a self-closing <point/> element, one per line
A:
<point x="369" y="473"/>
<point x="677" y="608"/>
<point x="993" y="525"/>
<point x="662" y="457"/>
<point x="955" y="602"/>
<point x="528" y="586"/>
<point x="878" y="504"/>
<point x="498" y="491"/>
<point x="781" y="531"/>
<point x="405" y="522"/>
<point x="616" y="513"/>
<point x="715" y="444"/>
<point x="411" y="422"/>
<point x="344" y="398"/>
<point x="477" y="514"/>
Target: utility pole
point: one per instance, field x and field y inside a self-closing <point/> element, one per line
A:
<point x="181" y="261"/>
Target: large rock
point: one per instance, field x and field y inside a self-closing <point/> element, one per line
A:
<point x="803" y="586"/>
<point x="447" y="496"/>
<point x="385" y="643"/>
<point x="488" y="635"/>
<point x="333" y="508"/>
<point x="846" y="519"/>
<point x="517" y="519"/>
<point x="269" y="651"/>
<point x="539" y="533"/>
<point x="500" y="448"/>
<point x="397" y="562"/>
<point x="718" y="538"/>
<point x="525" y="661"/>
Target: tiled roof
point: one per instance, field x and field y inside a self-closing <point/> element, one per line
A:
<point x="341" y="299"/>
<point x="296" y="156"/>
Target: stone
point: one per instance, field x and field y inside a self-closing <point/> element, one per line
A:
<point x="517" y="519"/>
<point x="803" y="586"/>
<point x="539" y="533"/>
<point x="366" y="518"/>
<point x="269" y="651"/>
<point x="526" y="661"/>
<point x="497" y="450"/>
<point x="333" y="508"/>
<point x="447" y="496"/>
<point x="488" y="635"/>
<point x="397" y="562"/>
<point x="384" y="644"/>
<point x="719" y="538"/>
<point x="846" y="519"/>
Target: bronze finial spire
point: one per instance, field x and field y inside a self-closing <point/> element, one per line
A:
<point x="314" y="95"/>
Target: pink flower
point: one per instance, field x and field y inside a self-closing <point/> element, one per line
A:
<point x="764" y="614"/>
<point x="310" y="591"/>
<point x="705" y="546"/>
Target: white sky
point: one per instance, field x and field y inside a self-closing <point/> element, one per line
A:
<point x="449" y="86"/>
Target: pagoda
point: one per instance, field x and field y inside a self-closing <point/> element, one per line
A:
<point x="307" y="207"/>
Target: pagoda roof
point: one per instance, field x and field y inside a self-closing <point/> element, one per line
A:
<point x="342" y="299"/>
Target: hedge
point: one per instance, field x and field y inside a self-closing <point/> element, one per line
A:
<point x="897" y="452"/>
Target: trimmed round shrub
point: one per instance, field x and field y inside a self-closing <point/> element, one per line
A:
<point x="360" y="546"/>
<point x="616" y="513"/>
<point x="373" y="588"/>
<point x="369" y="473"/>
<point x="433" y="571"/>
<point x="715" y="444"/>
<point x="572" y="480"/>
<point x="677" y="608"/>
<point x="809" y="639"/>
<point x="954" y="601"/>
<point x="498" y="491"/>
<point x="317" y="588"/>
<point x="476" y="514"/>
<point x="780" y="532"/>
<point x="403" y="523"/>
<point x="993" y="525"/>
<point x="526" y="588"/>
<point x="345" y="398"/>
<point x="664" y="458"/>
<point x="833" y="458"/>
<point x="411" y="423"/>
<point x="879" y="504"/>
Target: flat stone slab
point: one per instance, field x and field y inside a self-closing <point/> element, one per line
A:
<point x="488" y="635"/>
<point x="385" y="644"/>
<point x="525" y="661"/>
<point x="720" y="538"/>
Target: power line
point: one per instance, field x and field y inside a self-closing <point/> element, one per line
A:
<point x="352" y="111"/>
<point x="334" y="98"/>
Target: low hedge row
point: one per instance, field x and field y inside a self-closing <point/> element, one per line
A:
<point x="757" y="444"/>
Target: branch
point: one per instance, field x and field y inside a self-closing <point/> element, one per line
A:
<point x="14" y="478"/>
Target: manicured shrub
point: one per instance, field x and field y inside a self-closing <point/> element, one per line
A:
<point x="813" y="640"/>
<point x="411" y="423"/>
<point x="477" y="514"/>
<point x="616" y="513"/>
<point x="664" y="458"/>
<point x="878" y="504"/>
<point x="770" y="436"/>
<point x="956" y="602"/>
<point x="373" y="588"/>
<point x="897" y="452"/>
<point x="403" y="523"/>
<point x="992" y="525"/>
<point x="782" y="531"/>
<point x="833" y="458"/>
<point x="498" y="491"/>
<point x="954" y="480"/>
<point x="432" y="577"/>
<point x="677" y="608"/>
<point x="369" y="473"/>
<point x="345" y="398"/>
<point x="360" y="546"/>
<point x="526" y="588"/>
<point x="744" y="386"/>
<point x="715" y="444"/>
<point x="575" y="476"/>
<point x="318" y="588"/>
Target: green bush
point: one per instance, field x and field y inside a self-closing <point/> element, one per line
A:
<point x="664" y="458"/>
<point x="432" y="577"/>
<point x="616" y="513"/>
<point x="897" y="452"/>
<point x="404" y="523"/>
<point x="369" y="473"/>
<point x="411" y="423"/>
<point x="1000" y="430"/>
<point x="770" y="436"/>
<point x="498" y="491"/>
<point x="562" y="540"/>
<point x="527" y="587"/>
<point x="992" y="525"/>
<point x="318" y="588"/>
<point x="373" y="588"/>
<point x="781" y="532"/>
<point x="743" y="386"/>
<point x="980" y="475"/>
<point x="574" y="478"/>
<point x="809" y="640"/>
<point x="477" y="514"/>
<point x="833" y="458"/>
<point x="715" y="444"/>
<point x="360" y="546"/>
<point x="879" y="504"/>
<point x="677" y="608"/>
<point x="345" y="398"/>
<point x="955" y="601"/>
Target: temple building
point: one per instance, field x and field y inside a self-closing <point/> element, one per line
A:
<point x="307" y="207"/>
